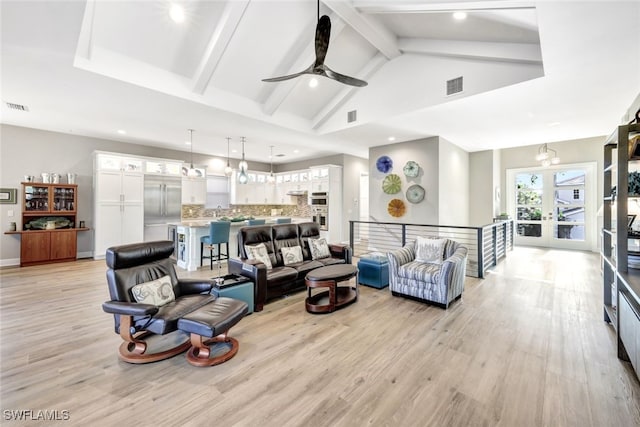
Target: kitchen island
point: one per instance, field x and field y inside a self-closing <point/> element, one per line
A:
<point x="189" y="232"/>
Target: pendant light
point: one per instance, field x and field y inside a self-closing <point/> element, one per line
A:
<point x="243" y="166"/>
<point x="192" y="173"/>
<point x="228" y="171"/>
<point x="271" y="179"/>
<point x="547" y="156"/>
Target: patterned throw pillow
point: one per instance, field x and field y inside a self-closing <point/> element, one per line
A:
<point x="291" y="255"/>
<point x="430" y="250"/>
<point x="319" y="248"/>
<point x="156" y="292"/>
<point x="259" y="253"/>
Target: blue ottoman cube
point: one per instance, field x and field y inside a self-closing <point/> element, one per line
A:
<point x="374" y="271"/>
<point x="236" y="287"/>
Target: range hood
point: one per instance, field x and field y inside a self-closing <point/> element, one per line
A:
<point x="297" y="193"/>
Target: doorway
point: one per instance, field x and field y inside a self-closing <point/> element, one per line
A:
<point x="554" y="206"/>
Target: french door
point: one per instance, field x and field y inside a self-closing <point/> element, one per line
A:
<point x="554" y="206"/>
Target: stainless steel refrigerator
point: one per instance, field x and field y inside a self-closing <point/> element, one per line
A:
<point x="162" y="205"/>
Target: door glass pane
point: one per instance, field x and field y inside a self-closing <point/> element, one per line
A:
<point x="529" y="189"/>
<point x="568" y="231"/>
<point x="570" y="177"/>
<point x="529" y="214"/>
<point x="570" y="214"/>
<point x="568" y="196"/>
<point x="531" y="230"/>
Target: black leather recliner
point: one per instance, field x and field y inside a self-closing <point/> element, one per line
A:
<point x="282" y="280"/>
<point x="138" y="324"/>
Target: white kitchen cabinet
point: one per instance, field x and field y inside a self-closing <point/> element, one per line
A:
<point x="118" y="201"/>
<point x="194" y="191"/>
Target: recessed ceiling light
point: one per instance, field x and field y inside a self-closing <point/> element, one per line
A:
<point x="188" y="142"/>
<point x="313" y="82"/>
<point x="391" y="138"/>
<point x="296" y="151"/>
<point x="176" y="12"/>
<point x="234" y="151"/>
<point x="122" y="131"/>
<point x="459" y="15"/>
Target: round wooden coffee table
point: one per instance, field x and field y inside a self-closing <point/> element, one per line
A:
<point x="336" y="296"/>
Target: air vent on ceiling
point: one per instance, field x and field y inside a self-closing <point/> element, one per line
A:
<point x="454" y="85"/>
<point x="18" y="107"/>
<point x="352" y="116"/>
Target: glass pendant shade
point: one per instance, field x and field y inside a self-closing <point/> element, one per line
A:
<point x="243" y="166"/>
<point x="271" y="178"/>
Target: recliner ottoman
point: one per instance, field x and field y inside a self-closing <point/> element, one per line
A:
<point x="374" y="271"/>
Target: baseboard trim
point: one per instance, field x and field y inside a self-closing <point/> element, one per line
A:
<point x="10" y="262"/>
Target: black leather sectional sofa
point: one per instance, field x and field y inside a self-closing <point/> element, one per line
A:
<point x="281" y="280"/>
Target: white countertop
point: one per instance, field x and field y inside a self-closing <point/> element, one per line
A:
<point x="204" y="222"/>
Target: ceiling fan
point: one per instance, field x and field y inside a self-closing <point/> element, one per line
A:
<point x="318" y="68"/>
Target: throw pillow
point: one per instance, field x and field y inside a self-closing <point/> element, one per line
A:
<point x="259" y="253"/>
<point x="319" y="248"/>
<point x="430" y="250"/>
<point x="156" y="292"/>
<point x="291" y="255"/>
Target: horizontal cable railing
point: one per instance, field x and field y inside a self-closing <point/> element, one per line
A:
<point x="485" y="245"/>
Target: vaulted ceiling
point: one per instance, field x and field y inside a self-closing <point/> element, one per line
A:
<point x="532" y="72"/>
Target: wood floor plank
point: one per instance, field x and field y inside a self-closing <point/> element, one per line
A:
<point x="526" y="346"/>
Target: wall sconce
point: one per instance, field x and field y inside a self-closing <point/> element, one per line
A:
<point x="547" y="156"/>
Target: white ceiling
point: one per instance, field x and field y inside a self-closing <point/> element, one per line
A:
<point x="534" y="72"/>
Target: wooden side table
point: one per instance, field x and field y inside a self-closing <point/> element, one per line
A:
<point x="335" y="297"/>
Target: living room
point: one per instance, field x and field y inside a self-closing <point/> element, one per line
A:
<point x="526" y="345"/>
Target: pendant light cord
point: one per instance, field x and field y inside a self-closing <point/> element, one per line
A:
<point x="191" y="144"/>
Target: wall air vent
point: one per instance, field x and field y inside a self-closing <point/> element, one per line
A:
<point x="454" y="86"/>
<point x="352" y="116"/>
<point x="18" y="107"/>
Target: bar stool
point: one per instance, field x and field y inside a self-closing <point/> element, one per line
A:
<point x="283" y="220"/>
<point x="218" y="234"/>
<point x="256" y="222"/>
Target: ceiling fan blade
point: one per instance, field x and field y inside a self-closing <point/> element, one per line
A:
<point x="352" y="81"/>
<point x="323" y="33"/>
<point x="290" y="76"/>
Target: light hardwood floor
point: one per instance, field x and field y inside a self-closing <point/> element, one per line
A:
<point x="527" y="346"/>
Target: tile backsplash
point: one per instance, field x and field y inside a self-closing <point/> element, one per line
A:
<point x="302" y="209"/>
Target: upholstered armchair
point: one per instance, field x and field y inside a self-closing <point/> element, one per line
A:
<point x="436" y="277"/>
<point x="146" y="326"/>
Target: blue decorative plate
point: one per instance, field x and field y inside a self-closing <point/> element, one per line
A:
<point x="384" y="164"/>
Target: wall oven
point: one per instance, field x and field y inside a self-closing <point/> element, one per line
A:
<point x="319" y="199"/>
<point x="321" y="217"/>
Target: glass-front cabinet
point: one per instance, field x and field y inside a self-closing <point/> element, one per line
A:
<point x="48" y="199"/>
<point x="49" y="223"/>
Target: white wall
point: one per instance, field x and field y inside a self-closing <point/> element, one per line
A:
<point x="419" y="89"/>
<point x="481" y="191"/>
<point x="425" y="153"/>
<point x="573" y="151"/>
<point x="26" y="151"/>
<point x="453" y="179"/>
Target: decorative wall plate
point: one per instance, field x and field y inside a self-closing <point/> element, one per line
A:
<point x="384" y="164"/>
<point x="392" y="184"/>
<point x="396" y="208"/>
<point x="415" y="194"/>
<point x="411" y="169"/>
